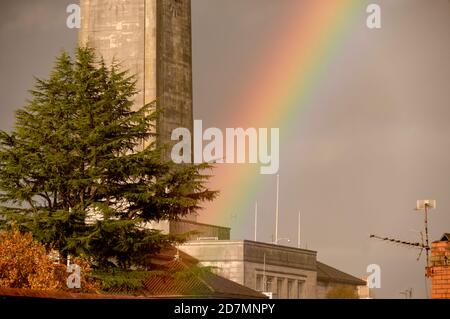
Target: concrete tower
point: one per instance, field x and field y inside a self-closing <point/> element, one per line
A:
<point x="152" y="39"/>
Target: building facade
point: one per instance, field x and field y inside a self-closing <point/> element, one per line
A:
<point x="279" y="271"/>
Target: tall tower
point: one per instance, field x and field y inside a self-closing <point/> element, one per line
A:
<point x="152" y="39"/>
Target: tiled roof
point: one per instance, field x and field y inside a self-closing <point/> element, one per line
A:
<point x="206" y="285"/>
<point x="327" y="273"/>
<point x="198" y="283"/>
<point x="53" y="294"/>
<point x="178" y="275"/>
<point x="177" y="281"/>
<point x="445" y="237"/>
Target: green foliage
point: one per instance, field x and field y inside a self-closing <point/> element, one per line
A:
<point x="75" y="173"/>
<point x="342" y="292"/>
<point x="121" y="280"/>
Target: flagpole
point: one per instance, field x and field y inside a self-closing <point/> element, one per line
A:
<point x="277" y="210"/>
<point x="256" y="219"/>
<point x="298" y="238"/>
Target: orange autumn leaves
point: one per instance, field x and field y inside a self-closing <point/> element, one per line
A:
<point x="24" y="263"/>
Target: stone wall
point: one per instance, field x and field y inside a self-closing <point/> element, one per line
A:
<point x="174" y="68"/>
<point x="116" y="29"/>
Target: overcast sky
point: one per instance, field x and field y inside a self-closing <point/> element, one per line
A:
<point x="375" y="139"/>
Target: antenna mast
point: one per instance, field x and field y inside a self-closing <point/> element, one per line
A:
<point x="424" y="244"/>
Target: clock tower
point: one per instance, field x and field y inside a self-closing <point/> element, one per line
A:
<point x="151" y="39"/>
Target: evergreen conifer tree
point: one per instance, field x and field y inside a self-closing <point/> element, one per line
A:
<point x="73" y="170"/>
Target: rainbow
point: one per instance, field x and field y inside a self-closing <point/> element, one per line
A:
<point x="286" y="79"/>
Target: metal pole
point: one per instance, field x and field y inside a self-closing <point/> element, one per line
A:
<point x="264" y="274"/>
<point x="426" y="234"/>
<point x="427" y="248"/>
<point x="276" y="210"/>
<point x="298" y="238"/>
<point x="256" y="219"/>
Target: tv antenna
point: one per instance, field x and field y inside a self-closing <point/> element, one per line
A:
<point x="424" y="244"/>
<point x="409" y="244"/>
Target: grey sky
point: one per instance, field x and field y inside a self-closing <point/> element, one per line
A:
<point x="375" y="139"/>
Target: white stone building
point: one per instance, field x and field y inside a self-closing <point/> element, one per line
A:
<point x="281" y="271"/>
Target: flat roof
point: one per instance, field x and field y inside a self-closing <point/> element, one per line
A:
<point x="248" y="242"/>
<point x="200" y="224"/>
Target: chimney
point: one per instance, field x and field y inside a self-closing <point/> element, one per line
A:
<point x="439" y="269"/>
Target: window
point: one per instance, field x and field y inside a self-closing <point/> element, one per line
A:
<point x="259" y="283"/>
<point x="279" y="288"/>
<point x="300" y="288"/>
<point x="290" y="287"/>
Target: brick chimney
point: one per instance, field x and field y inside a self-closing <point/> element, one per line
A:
<point x="439" y="269"/>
